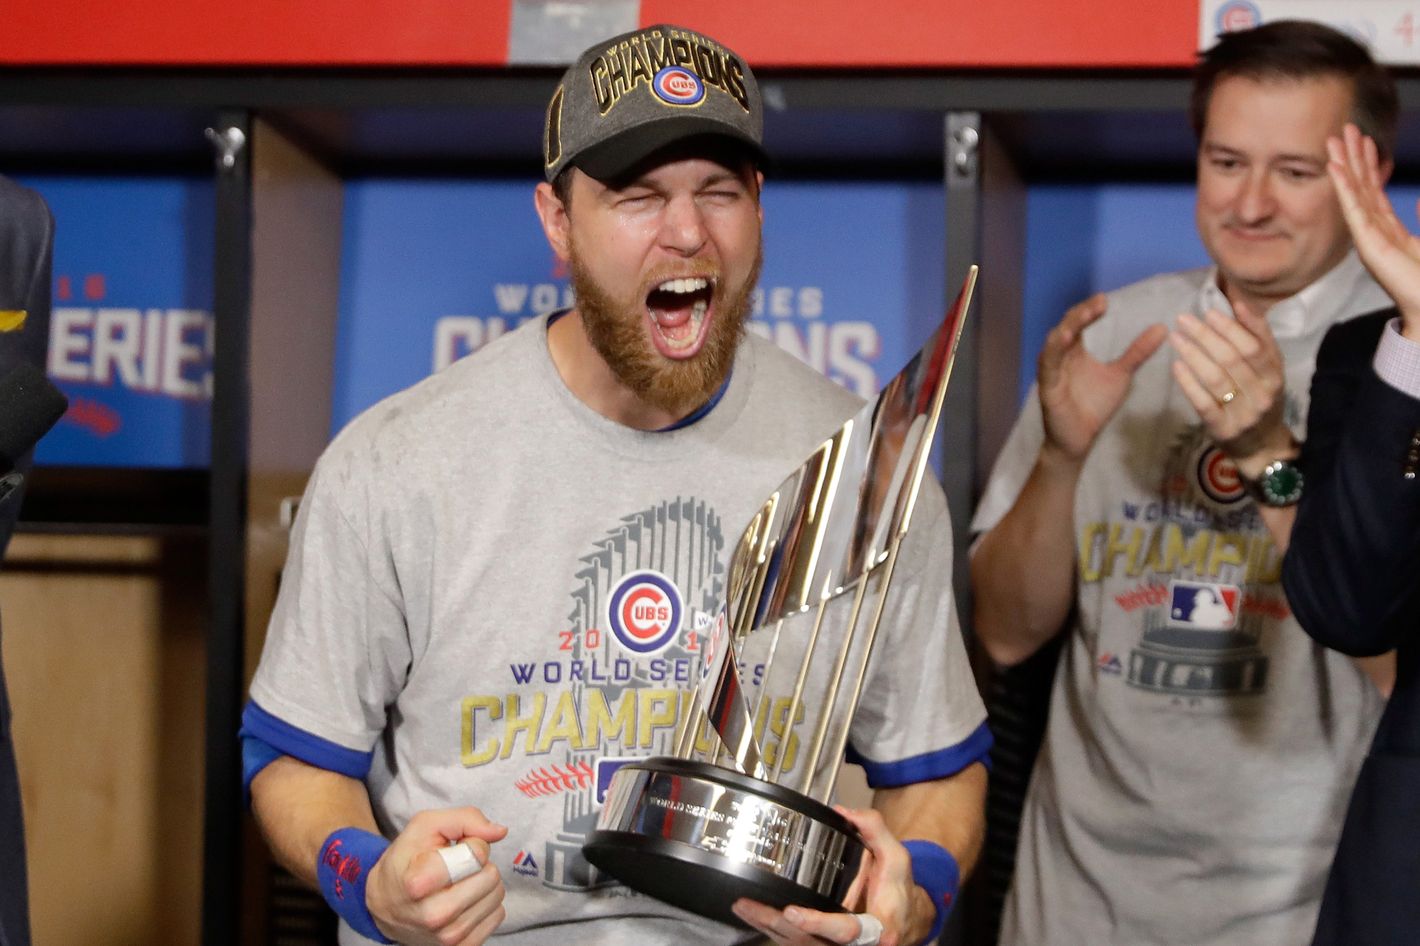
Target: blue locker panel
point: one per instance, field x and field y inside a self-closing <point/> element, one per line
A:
<point x="131" y="329"/>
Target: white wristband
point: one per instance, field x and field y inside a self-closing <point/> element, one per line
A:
<point x="460" y="860"/>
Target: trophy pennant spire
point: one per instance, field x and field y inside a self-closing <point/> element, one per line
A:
<point x="824" y="532"/>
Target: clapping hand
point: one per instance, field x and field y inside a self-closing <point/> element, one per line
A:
<point x="1231" y="371"/>
<point x="1079" y="393"/>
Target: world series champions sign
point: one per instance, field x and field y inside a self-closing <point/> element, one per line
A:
<point x="434" y="270"/>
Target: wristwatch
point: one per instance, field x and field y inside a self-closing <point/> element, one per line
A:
<point x="1279" y="485"/>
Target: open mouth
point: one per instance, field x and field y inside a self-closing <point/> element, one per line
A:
<point x="679" y="311"/>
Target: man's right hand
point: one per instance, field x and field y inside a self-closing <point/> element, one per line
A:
<point x="409" y="894"/>
<point x="1079" y="393"/>
<point x="1390" y="252"/>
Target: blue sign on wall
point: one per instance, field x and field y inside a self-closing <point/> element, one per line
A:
<point x="131" y="330"/>
<point x="1088" y="238"/>
<point x="433" y="269"/>
<point x="852" y="280"/>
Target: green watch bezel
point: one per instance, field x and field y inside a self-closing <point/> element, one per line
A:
<point x="1279" y="485"/>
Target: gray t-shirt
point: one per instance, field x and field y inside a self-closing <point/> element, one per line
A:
<point x="1200" y="747"/>
<point x="502" y="594"/>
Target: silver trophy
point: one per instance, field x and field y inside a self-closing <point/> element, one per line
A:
<point x="742" y="808"/>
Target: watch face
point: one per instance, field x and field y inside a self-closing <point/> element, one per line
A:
<point x="1281" y="484"/>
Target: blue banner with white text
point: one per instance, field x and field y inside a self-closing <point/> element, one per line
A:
<point x="433" y="269"/>
<point x="130" y="338"/>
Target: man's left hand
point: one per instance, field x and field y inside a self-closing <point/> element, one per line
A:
<point x="1231" y="371"/>
<point x="887" y="892"/>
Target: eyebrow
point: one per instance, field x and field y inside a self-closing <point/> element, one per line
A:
<point x="1214" y="149"/>
<point x="720" y="177"/>
<point x="649" y="184"/>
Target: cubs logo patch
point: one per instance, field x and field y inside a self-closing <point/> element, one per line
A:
<point x="1238" y="15"/>
<point x="1203" y="606"/>
<point x="644" y="612"/>
<point x="1218" y="477"/>
<point x="675" y="85"/>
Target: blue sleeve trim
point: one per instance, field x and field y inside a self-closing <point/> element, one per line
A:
<point x="928" y="766"/>
<point x="265" y="737"/>
<point x="256" y="755"/>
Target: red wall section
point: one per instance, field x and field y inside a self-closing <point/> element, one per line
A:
<point x="953" y="33"/>
<point x="255" y="32"/>
<point x="829" y="33"/>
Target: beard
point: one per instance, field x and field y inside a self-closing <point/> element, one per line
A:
<point x="617" y="330"/>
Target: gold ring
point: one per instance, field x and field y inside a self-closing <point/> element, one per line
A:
<point x="1227" y="399"/>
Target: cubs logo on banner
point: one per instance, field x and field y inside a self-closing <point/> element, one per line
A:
<point x="1203" y="606"/>
<point x="676" y="86"/>
<point x="1237" y="15"/>
<point x="644" y="612"/>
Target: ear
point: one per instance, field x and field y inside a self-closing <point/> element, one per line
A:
<point x="1386" y="167"/>
<point x="759" y="195"/>
<point x="555" y="222"/>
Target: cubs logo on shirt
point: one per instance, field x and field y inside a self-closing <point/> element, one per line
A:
<point x="1202" y="606"/>
<point x="644" y="612"/>
<point x="1218" y="477"/>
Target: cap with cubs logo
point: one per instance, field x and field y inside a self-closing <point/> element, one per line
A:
<point x="634" y="94"/>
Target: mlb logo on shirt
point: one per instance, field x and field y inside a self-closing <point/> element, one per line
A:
<point x="606" y="768"/>
<point x="1202" y="606"/>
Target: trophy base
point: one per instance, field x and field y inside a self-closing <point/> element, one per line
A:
<point x="700" y="837"/>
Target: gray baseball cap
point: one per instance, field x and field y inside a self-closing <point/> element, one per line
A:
<point x="636" y="93"/>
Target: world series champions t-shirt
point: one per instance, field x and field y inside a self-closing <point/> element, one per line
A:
<point x="1200" y="747"/>
<point x="500" y="596"/>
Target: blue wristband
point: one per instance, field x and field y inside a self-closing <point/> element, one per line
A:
<point x="935" y="871"/>
<point x="342" y="869"/>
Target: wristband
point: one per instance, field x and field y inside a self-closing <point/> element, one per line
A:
<point x="342" y="868"/>
<point x="935" y="871"/>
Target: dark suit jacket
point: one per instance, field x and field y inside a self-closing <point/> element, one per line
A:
<point x="26" y="240"/>
<point x="1352" y="576"/>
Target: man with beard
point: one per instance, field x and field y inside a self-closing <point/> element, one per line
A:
<point x="498" y="579"/>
